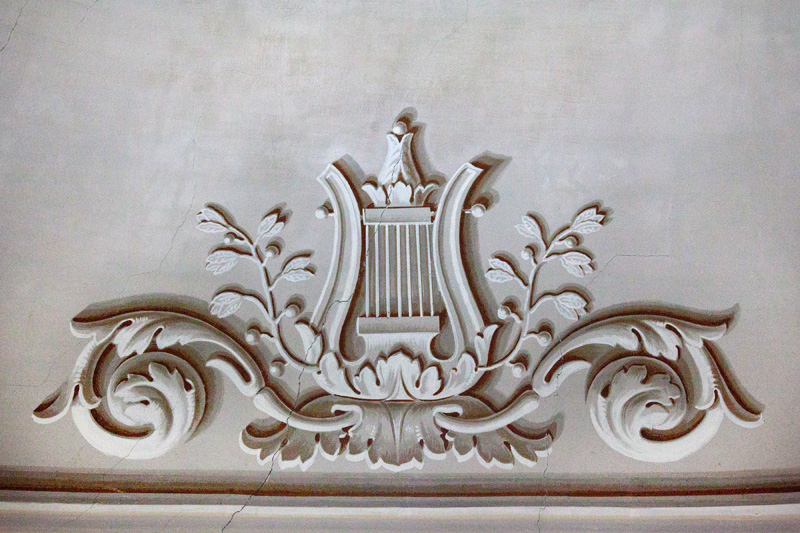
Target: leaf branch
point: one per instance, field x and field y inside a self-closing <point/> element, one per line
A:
<point x="226" y="303"/>
<point x="541" y="250"/>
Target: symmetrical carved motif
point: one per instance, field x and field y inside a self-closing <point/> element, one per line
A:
<point x="657" y="387"/>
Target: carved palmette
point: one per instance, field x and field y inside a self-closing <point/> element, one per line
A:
<point x="657" y="389"/>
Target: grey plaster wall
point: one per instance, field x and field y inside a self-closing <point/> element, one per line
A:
<point x="119" y="120"/>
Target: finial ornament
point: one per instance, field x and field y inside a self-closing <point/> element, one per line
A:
<point x="399" y="183"/>
<point x="657" y="387"/>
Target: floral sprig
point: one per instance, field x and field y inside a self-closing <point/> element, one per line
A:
<point x="539" y="251"/>
<point x="237" y="245"/>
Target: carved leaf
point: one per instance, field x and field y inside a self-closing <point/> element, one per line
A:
<point x="175" y="392"/>
<point x="386" y="378"/>
<point x="502" y="447"/>
<point x="290" y="446"/>
<point x="211" y="221"/>
<point x="300" y="274"/>
<point x="376" y="194"/>
<point x="400" y="193"/>
<point x="274" y="230"/>
<point x="421" y="193"/>
<point x="392" y="435"/>
<point x="483" y="342"/>
<point x="221" y="261"/>
<point x="396" y="436"/>
<point x="577" y="263"/>
<point x="297" y="262"/>
<point x="588" y="221"/>
<point x="211" y="227"/>
<point x="266" y="442"/>
<point x="657" y="390"/>
<point x="210" y="214"/>
<point x="397" y="377"/>
<point x="571" y="305"/>
<point x="390" y="171"/>
<point x="312" y="341"/>
<point x="429" y="382"/>
<point x="498" y="276"/>
<point x="331" y="375"/>
<point x="502" y="264"/>
<point x="225" y="304"/>
<point x="464" y="375"/>
<point x="134" y="338"/>
<point x="530" y="228"/>
<point x="300" y="448"/>
<point x="408" y="168"/>
<point x="266" y="225"/>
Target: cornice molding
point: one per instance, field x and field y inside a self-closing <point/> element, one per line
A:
<point x="729" y="488"/>
<point x="260" y="516"/>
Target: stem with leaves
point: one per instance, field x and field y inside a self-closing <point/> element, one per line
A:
<point x="268" y="303"/>
<point x="239" y="244"/>
<point x="539" y="251"/>
<point x="563" y="238"/>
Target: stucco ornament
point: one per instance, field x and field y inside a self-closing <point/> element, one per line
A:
<point x="404" y="386"/>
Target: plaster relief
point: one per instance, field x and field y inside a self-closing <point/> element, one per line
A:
<point x="657" y="388"/>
